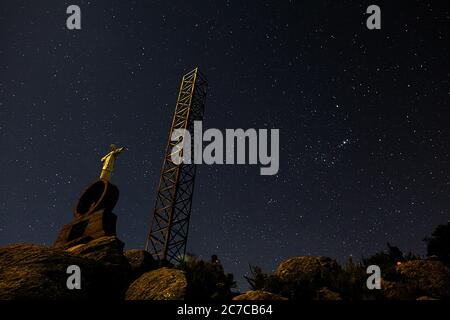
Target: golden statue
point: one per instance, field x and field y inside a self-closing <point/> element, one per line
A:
<point x="108" y="162"/>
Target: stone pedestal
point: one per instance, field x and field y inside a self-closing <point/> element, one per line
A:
<point x="93" y="216"/>
<point x="82" y="230"/>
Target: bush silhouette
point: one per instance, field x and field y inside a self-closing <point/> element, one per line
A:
<point x="207" y="280"/>
<point x="439" y="243"/>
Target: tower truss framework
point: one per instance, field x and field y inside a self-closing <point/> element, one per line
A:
<point x="169" y="226"/>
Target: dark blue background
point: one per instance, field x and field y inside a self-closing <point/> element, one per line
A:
<point x="309" y="68"/>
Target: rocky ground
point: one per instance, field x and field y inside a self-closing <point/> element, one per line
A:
<point x="30" y="271"/>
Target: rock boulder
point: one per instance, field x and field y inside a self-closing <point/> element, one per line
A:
<point x="426" y="278"/>
<point x="30" y="272"/>
<point x="259" y="295"/>
<point x="318" y="271"/>
<point x="159" y="284"/>
<point x="327" y="294"/>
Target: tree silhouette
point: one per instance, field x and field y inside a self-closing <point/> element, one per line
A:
<point x="439" y="243"/>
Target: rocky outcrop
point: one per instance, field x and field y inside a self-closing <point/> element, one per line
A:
<point x="160" y="284"/>
<point x="426" y="278"/>
<point x="109" y="252"/>
<point x="327" y="294"/>
<point x="140" y="262"/>
<point x="258" y="295"/>
<point x="30" y="271"/>
<point x="315" y="270"/>
<point x="418" y="279"/>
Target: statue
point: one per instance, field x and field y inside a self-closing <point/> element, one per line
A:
<point x="108" y="162"/>
<point x="93" y="213"/>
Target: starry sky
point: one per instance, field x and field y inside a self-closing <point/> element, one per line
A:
<point x="363" y="118"/>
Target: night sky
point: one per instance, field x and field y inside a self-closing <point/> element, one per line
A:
<point x="363" y="118"/>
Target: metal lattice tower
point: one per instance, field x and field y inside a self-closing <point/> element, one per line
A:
<point x="170" y="222"/>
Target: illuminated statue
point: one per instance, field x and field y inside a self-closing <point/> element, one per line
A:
<point x="108" y="162"/>
<point x="93" y="216"/>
